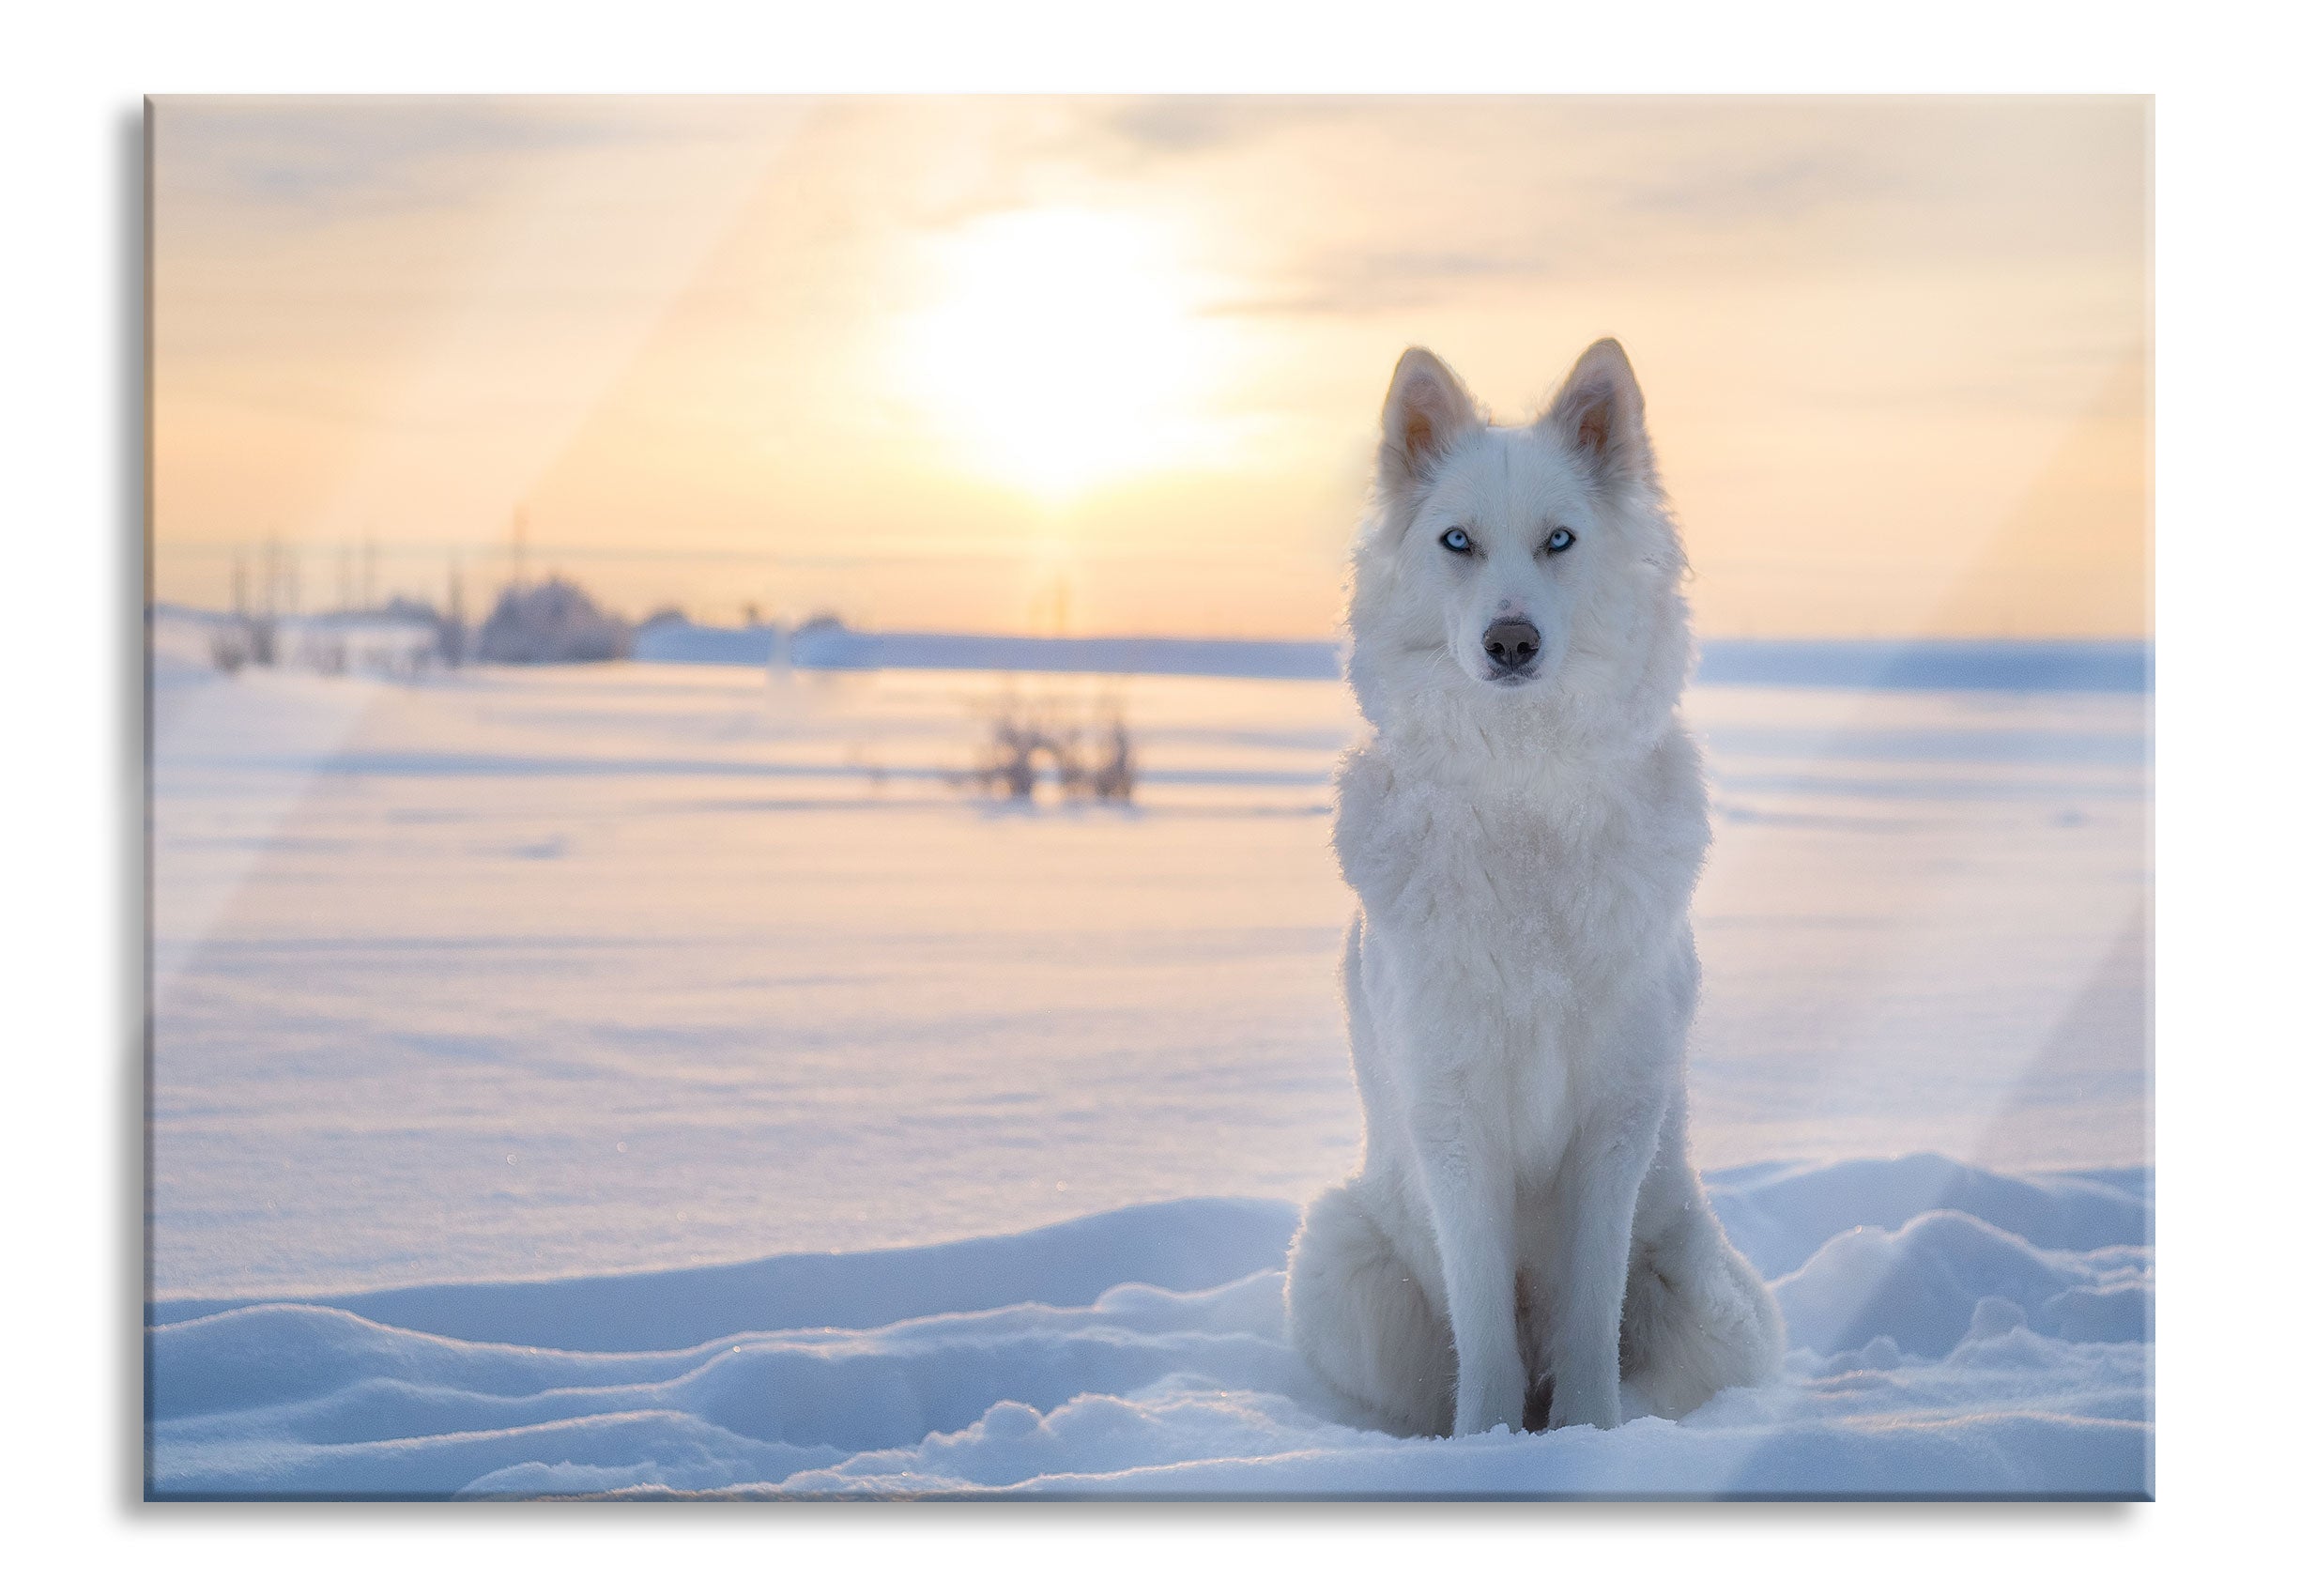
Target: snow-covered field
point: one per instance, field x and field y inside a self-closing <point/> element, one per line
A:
<point x="970" y="1136"/>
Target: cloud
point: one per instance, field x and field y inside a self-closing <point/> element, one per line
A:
<point x="317" y="159"/>
<point x="1356" y="283"/>
<point x="1771" y="190"/>
<point x="1192" y="124"/>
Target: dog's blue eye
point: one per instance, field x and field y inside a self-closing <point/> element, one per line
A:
<point x="1456" y="540"/>
<point x="1559" y="541"/>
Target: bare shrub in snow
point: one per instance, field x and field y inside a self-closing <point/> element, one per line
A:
<point x="1113" y="773"/>
<point x="227" y="647"/>
<point x="1007" y="766"/>
<point x="1026" y="740"/>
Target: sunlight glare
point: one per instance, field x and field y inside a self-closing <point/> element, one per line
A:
<point x="1060" y="350"/>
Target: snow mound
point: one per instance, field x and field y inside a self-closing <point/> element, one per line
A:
<point x="1924" y="1284"/>
<point x="1141" y="1353"/>
<point x="1186" y="1245"/>
<point x="1780" y="1214"/>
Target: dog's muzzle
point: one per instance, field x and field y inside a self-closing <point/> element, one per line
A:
<point x="1512" y="646"/>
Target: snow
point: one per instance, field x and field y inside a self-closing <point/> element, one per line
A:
<point x="656" y="1076"/>
<point x="829" y="645"/>
<point x="2113" y="666"/>
<point x="1096" y="1358"/>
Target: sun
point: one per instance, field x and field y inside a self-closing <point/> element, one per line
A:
<point x="1058" y="351"/>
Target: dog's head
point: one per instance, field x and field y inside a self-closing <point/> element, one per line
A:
<point x="1517" y="570"/>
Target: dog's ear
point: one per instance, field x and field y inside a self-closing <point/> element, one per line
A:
<point x="1427" y="410"/>
<point x="1600" y="412"/>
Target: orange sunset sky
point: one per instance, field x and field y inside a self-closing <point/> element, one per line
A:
<point x="1112" y="365"/>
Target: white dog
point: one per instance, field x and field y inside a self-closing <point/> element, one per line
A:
<point x="1524" y="829"/>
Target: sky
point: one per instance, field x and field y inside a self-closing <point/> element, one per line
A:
<point x="1113" y="366"/>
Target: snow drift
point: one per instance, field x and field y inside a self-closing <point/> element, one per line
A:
<point x="1957" y="1333"/>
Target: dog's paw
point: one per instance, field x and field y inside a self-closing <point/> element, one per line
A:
<point x="1595" y="1402"/>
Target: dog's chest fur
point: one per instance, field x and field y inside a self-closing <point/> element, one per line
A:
<point x="1513" y="914"/>
<point x="1543" y="866"/>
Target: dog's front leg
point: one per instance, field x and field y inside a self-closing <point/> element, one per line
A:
<point x="1466" y="1177"/>
<point x="1600" y="1194"/>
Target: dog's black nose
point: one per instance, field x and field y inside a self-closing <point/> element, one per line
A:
<point x="1511" y="644"/>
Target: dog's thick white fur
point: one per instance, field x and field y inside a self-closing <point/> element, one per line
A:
<point x="1522" y="828"/>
